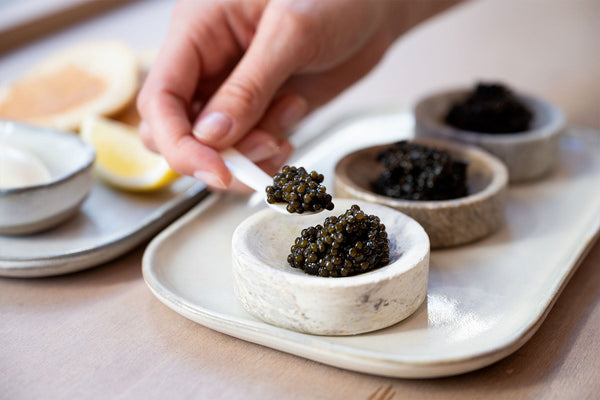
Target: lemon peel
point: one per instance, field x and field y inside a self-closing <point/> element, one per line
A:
<point x="122" y="160"/>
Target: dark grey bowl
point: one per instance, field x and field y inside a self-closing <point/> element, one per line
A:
<point x="528" y="155"/>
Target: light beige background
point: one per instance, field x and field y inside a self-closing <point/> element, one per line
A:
<point x="101" y="334"/>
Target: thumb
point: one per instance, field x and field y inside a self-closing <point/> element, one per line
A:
<point x="241" y="101"/>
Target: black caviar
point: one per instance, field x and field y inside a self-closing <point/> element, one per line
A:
<point x="300" y="190"/>
<point x="415" y="172"/>
<point x="350" y="244"/>
<point x="490" y="108"/>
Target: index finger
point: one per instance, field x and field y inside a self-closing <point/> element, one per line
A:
<point x="163" y="104"/>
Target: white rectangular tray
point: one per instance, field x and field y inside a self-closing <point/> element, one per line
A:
<point x="484" y="300"/>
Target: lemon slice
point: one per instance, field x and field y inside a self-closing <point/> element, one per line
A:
<point x="121" y="158"/>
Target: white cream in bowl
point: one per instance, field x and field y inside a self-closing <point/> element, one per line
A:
<point x="270" y="289"/>
<point x="56" y="176"/>
<point x="19" y="168"/>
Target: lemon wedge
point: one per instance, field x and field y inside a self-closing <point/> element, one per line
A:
<point x="121" y="158"/>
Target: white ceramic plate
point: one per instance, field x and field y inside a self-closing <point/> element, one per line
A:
<point x="484" y="300"/>
<point x="109" y="224"/>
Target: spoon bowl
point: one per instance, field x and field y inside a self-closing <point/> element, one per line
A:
<point x="281" y="207"/>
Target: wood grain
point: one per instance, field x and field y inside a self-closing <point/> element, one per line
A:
<point x="383" y="393"/>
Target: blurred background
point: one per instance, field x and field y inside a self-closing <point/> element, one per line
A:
<point x="548" y="47"/>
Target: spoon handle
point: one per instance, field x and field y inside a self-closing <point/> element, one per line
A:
<point x="245" y="170"/>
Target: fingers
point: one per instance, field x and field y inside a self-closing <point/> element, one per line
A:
<point x="308" y="91"/>
<point x="146" y="135"/>
<point x="165" y="103"/>
<point x="284" y="114"/>
<point x="259" y="146"/>
<point x="167" y="129"/>
<point x="176" y="71"/>
<point x="181" y="150"/>
<point x="276" y="52"/>
<point x="272" y="165"/>
<point x="251" y="106"/>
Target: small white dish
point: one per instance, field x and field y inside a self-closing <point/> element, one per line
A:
<point x="528" y="155"/>
<point x="270" y="289"/>
<point x="69" y="161"/>
<point x="447" y="222"/>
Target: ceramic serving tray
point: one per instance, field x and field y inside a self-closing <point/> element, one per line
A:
<point x="484" y="300"/>
<point x="109" y="224"/>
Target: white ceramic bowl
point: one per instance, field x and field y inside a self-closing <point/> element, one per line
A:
<point x="275" y="292"/>
<point x="528" y="155"/>
<point x="37" y="207"/>
<point x="447" y="222"/>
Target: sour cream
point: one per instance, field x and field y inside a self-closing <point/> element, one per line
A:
<point x="19" y="168"/>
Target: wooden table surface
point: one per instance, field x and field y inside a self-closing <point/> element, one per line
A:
<point x="100" y="333"/>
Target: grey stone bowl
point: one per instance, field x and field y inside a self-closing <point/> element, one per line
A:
<point x="447" y="222"/>
<point x="30" y="209"/>
<point x="528" y="155"/>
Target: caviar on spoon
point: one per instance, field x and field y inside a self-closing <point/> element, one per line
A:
<point x="291" y="191"/>
<point x="300" y="191"/>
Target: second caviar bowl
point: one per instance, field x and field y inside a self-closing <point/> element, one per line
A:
<point x="447" y="222"/>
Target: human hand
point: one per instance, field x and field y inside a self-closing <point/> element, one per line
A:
<point x="243" y="72"/>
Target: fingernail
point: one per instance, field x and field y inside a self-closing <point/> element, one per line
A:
<point x="210" y="179"/>
<point x="263" y="151"/>
<point x="293" y="112"/>
<point x="212" y="127"/>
